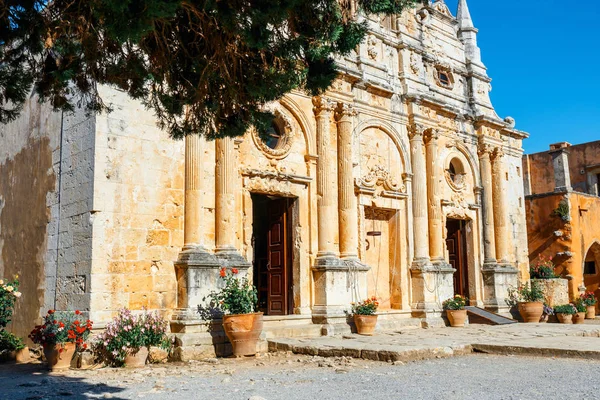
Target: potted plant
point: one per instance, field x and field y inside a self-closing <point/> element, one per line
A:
<point x="238" y="300"/>
<point x="530" y="302"/>
<point x="590" y="301"/>
<point x="364" y="316"/>
<point x="543" y="269"/>
<point x="565" y="313"/>
<point x="455" y="310"/>
<point x="128" y="337"/>
<point x="579" y="316"/>
<point x="11" y="346"/>
<point x="61" y="334"/>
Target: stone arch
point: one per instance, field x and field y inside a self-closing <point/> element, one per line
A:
<point x="294" y="108"/>
<point x="388" y="129"/>
<point x="471" y="161"/>
<point x="592" y="280"/>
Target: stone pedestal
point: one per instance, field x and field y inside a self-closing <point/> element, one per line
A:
<point x="338" y="283"/>
<point x="497" y="279"/>
<point x="431" y="285"/>
<point x="556" y="291"/>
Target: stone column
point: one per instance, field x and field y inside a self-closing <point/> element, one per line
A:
<point x="225" y="205"/>
<point x="347" y="208"/>
<point x="489" y="243"/>
<point x="501" y="226"/>
<point x="434" y="200"/>
<point x="326" y="205"/>
<point x="419" y="194"/>
<point x="192" y="231"/>
<point x="337" y="282"/>
<point x="196" y="269"/>
<point x="431" y="284"/>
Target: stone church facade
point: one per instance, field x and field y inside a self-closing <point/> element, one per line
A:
<point x="400" y="182"/>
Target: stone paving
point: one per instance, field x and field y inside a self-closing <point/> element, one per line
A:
<point x="554" y="340"/>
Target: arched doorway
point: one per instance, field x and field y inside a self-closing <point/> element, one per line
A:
<point x="591" y="270"/>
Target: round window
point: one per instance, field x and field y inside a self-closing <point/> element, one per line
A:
<point x="274" y="137"/>
<point x="455" y="174"/>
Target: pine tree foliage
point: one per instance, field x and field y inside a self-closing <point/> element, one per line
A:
<point x="203" y="66"/>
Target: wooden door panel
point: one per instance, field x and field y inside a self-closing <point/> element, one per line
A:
<point x="277" y="250"/>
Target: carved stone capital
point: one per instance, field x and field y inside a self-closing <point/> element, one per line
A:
<point x="484" y="149"/>
<point x="322" y="105"/>
<point x="416" y="131"/>
<point x="431" y="135"/>
<point x="497" y="154"/>
<point x="344" y="111"/>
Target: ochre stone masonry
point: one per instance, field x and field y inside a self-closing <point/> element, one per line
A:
<point x="566" y="177"/>
<point x="399" y="182"/>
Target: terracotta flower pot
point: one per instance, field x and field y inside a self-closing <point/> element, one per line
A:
<point x="59" y="356"/>
<point x="137" y="359"/>
<point x="365" y="324"/>
<point x="243" y="331"/>
<point x="564" y="318"/>
<point x="579" y="318"/>
<point x="457" y="318"/>
<point x="591" y="312"/>
<point x="531" y="312"/>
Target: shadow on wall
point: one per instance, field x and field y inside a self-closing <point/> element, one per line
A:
<point x="32" y="381"/>
<point x="25" y="182"/>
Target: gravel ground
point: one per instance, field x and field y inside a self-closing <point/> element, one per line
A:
<point x="292" y="377"/>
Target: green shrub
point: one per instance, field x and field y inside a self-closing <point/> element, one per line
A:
<point x="10" y="342"/>
<point x="568" y="309"/>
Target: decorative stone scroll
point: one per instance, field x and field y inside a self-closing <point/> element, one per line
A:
<point x="380" y="176"/>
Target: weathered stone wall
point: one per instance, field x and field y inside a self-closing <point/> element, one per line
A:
<point x="29" y="155"/>
<point x="138" y="211"/>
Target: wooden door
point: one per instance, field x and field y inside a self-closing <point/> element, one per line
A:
<point x="278" y="258"/>
<point x="457" y="251"/>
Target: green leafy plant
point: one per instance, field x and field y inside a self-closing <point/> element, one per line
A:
<point x="203" y="67"/>
<point x="563" y="211"/>
<point x="237" y="296"/>
<point x="367" y="307"/>
<point x="9" y="293"/>
<point x="588" y="298"/>
<point x="580" y="306"/>
<point x="568" y="309"/>
<point x="457" y="302"/>
<point x="62" y="327"/>
<point x="543" y="269"/>
<point x="527" y="293"/>
<point x="128" y="332"/>
<point x="10" y="342"/>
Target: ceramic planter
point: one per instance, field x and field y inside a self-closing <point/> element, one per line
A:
<point x="365" y="324"/>
<point x="59" y="356"/>
<point x="579" y="318"/>
<point x="564" y="318"/>
<point x="591" y="312"/>
<point x="457" y="318"/>
<point x="136" y="359"/>
<point x="243" y="331"/>
<point x="531" y="312"/>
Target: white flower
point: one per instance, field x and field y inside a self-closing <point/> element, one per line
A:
<point x="17" y="294"/>
<point x="9" y="288"/>
<point x="1" y="281"/>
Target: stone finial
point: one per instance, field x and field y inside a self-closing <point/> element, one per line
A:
<point x="464" y="16"/>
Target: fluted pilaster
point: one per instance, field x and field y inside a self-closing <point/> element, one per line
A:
<point x="501" y="226"/>
<point x="419" y="192"/>
<point x="225" y="210"/>
<point x="489" y="236"/>
<point x="193" y="198"/>
<point x="434" y="200"/>
<point x="347" y="209"/>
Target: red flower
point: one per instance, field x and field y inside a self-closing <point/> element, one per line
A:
<point x="223" y="272"/>
<point x="235" y="271"/>
<point x="61" y="325"/>
<point x="77" y="312"/>
<point x="71" y="334"/>
<point x="85" y="345"/>
<point x="50" y="311"/>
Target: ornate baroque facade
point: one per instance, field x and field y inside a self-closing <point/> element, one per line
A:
<point x="400" y="182"/>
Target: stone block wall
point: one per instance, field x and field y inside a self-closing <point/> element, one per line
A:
<point x="29" y="170"/>
<point x="138" y="211"/>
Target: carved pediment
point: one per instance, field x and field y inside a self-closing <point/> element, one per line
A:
<point x="380" y="176"/>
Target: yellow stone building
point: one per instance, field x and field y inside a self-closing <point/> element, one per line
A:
<point x="400" y="182"/>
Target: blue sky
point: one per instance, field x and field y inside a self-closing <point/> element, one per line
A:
<point x="544" y="59"/>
